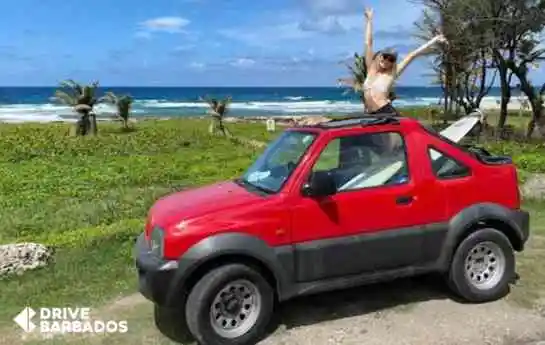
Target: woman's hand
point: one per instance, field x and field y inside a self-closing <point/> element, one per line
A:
<point x="369" y="13"/>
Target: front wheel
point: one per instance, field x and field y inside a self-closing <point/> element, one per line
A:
<point x="231" y="305"/>
<point x="482" y="267"/>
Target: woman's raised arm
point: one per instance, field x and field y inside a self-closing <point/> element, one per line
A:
<point x="369" y="37"/>
<point x="417" y="52"/>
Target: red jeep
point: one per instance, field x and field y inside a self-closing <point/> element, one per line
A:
<point x="330" y="206"/>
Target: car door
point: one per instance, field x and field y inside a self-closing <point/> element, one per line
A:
<point x="374" y="221"/>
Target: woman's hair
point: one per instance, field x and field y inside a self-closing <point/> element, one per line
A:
<point x="390" y="52"/>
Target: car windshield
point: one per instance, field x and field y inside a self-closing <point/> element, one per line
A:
<point x="273" y="168"/>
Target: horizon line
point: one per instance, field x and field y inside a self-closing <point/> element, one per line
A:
<point x="209" y="86"/>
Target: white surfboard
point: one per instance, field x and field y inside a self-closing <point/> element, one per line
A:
<point x="455" y="132"/>
<point x="459" y="129"/>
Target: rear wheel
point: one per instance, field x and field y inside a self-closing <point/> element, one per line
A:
<point x="482" y="267"/>
<point x="230" y="305"/>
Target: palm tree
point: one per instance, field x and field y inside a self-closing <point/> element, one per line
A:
<point x="358" y="74"/>
<point x="82" y="99"/>
<point x="218" y="110"/>
<point x="122" y="103"/>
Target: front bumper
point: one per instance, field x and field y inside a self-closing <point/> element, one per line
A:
<point x="156" y="277"/>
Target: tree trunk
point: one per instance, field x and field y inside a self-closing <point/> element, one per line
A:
<point x="537" y="110"/>
<point x="83" y="125"/>
<point x="541" y="122"/>
<point x="77" y="128"/>
<point x="93" y="124"/>
<point x="505" y="97"/>
<point x="533" y="99"/>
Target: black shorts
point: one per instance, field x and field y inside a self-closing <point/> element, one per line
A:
<point x="388" y="109"/>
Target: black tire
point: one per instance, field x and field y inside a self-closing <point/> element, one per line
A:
<point x="202" y="296"/>
<point x="462" y="286"/>
<point x="172" y="324"/>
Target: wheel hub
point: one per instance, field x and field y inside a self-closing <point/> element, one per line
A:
<point x="231" y="305"/>
<point x="485" y="265"/>
<point x="235" y="309"/>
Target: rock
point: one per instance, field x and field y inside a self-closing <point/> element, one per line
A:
<point x="534" y="187"/>
<point x="20" y="257"/>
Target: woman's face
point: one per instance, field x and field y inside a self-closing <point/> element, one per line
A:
<point x="386" y="61"/>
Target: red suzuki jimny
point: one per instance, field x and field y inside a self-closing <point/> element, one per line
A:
<point x="329" y="206"/>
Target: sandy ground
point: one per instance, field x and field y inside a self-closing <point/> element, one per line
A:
<point x="409" y="312"/>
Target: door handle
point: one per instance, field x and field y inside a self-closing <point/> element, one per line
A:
<point x="404" y="200"/>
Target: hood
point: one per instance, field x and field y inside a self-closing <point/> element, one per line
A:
<point x="201" y="201"/>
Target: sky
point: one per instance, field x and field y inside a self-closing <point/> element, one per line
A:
<point x="197" y="42"/>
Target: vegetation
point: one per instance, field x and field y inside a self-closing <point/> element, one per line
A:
<point x="123" y="106"/>
<point x="501" y="36"/>
<point x="358" y="73"/>
<point x="89" y="198"/>
<point x="82" y="99"/>
<point x="218" y="111"/>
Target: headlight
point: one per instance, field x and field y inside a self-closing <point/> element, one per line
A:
<point x="156" y="241"/>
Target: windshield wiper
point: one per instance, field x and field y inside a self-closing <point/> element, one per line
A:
<point x="244" y="182"/>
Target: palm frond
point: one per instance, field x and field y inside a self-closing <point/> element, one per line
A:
<point x="109" y="98"/>
<point x="72" y="85"/>
<point x="65" y="98"/>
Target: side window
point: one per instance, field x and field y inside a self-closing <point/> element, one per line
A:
<point x="445" y="167"/>
<point x="364" y="161"/>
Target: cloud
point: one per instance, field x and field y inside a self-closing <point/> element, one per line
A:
<point x="143" y="35"/>
<point x="333" y="7"/>
<point x="165" y="24"/>
<point x="184" y="47"/>
<point x="171" y="25"/>
<point x="197" y="66"/>
<point x="243" y="62"/>
<point x="395" y="33"/>
<point x="265" y="36"/>
<point x="328" y="25"/>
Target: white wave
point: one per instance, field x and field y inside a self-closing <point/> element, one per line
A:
<point x="30" y="118"/>
<point x="167" y="104"/>
<point x="295" y="98"/>
<point x="16" y="113"/>
<point x="55" y="112"/>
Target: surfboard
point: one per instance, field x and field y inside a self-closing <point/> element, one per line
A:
<point x="459" y="129"/>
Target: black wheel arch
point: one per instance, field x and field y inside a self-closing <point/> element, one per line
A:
<point x="274" y="263"/>
<point x="479" y="216"/>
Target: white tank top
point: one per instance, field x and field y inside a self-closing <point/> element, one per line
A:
<point x="381" y="83"/>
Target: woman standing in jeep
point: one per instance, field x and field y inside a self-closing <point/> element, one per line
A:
<point x="383" y="70"/>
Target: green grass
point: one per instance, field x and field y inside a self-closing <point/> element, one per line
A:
<point x="88" y="197"/>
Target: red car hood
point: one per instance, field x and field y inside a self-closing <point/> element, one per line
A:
<point x="200" y="201"/>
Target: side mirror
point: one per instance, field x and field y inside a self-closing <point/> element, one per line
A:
<point x="320" y="184"/>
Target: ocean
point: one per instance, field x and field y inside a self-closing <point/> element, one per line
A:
<point x="21" y="104"/>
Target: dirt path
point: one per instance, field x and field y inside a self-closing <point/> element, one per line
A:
<point x="411" y="312"/>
